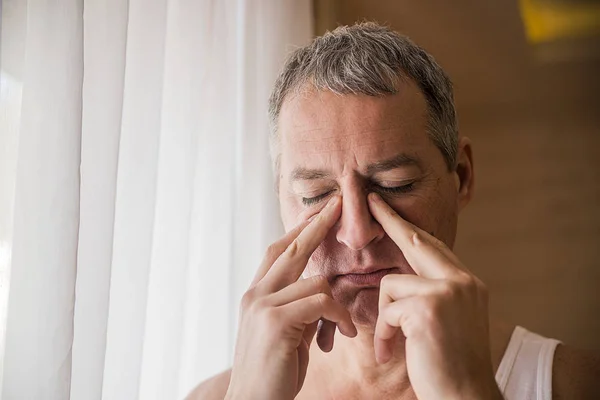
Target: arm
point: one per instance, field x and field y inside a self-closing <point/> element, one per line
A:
<point x="575" y="374"/>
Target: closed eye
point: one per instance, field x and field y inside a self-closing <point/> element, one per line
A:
<point x="394" y="190"/>
<point x="309" y="201"/>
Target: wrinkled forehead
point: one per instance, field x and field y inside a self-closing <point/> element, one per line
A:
<point x="322" y="129"/>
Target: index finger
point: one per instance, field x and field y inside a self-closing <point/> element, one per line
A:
<point x="427" y="255"/>
<point x="289" y="266"/>
<point x="276" y="249"/>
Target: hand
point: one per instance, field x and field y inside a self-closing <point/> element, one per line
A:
<point x="279" y="316"/>
<point x="442" y="313"/>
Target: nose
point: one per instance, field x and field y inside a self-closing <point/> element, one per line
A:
<point x="357" y="227"/>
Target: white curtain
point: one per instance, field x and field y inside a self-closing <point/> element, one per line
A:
<point x="136" y="196"/>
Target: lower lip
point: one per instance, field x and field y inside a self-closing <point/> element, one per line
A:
<point x="370" y="279"/>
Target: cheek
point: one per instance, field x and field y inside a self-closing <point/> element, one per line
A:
<point x="321" y="256"/>
<point x="287" y="207"/>
<point x="287" y="215"/>
<point x="327" y="258"/>
<point x="435" y="212"/>
<point x="317" y="263"/>
<point x="293" y="212"/>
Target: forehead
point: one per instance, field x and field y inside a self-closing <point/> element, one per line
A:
<point x="323" y="129"/>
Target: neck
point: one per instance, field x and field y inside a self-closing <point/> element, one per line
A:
<point x="353" y="361"/>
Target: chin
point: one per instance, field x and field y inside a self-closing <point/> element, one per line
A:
<point x="363" y="306"/>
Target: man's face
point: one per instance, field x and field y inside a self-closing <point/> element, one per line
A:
<point x="352" y="145"/>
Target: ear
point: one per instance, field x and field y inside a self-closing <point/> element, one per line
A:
<point x="465" y="178"/>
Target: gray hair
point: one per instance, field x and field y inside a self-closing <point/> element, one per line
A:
<point x="369" y="59"/>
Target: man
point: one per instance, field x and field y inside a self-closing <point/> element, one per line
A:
<point x="372" y="175"/>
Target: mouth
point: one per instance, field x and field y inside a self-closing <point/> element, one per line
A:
<point x="366" y="279"/>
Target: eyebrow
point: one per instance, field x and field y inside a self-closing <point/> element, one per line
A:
<point x="401" y="160"/>
<point x="304" y="174"/>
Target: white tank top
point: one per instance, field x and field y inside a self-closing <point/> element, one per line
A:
<point x="525" y="372"/>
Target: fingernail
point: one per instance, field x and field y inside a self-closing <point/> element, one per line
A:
<point x="333" y="201"/>
<point x="374" y="197"/>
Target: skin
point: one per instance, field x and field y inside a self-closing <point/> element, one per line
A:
<point x="338" y="140"/>
<point x="344" y="136"/>
<point x="423" y="331"/>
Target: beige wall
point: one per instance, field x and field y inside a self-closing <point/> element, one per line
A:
<point x="532" y="232"/>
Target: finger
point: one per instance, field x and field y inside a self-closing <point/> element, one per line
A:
<point x="387" y="328"/>
<point x="300" y="289"/>
<point x="325" y="335"/>
<point x="403" y="230"/>
<point x="394" y="287"/>
<point x="289" y="266"/>
<point x="427" y="255"/>
<point x="310" y="332"/>
<point x="304" y="288"/>
<point x="310" y="309"/>
<point x="276" y="249"/>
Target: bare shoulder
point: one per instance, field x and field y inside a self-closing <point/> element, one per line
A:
<point x="575" y="374"/>
<point x="213" y="388"/>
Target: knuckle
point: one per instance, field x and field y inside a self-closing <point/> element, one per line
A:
<point x="273" y="251"/>
<point x="294" y="248"/>
<point x="252" y="304"/>
<point x="320" y="282"/>
<point x="385" y="281"/>
<point x="322" y="300"/>
<point x="247" y="299"/>
<point x="464" y="280"/>
<point x="464" y="277"/>
<point x="449" y="289"/>
<point x="470" y="285"/>
<point x="416" y="239"/>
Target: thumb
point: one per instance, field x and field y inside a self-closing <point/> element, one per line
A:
<point x="325" y="335"/>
